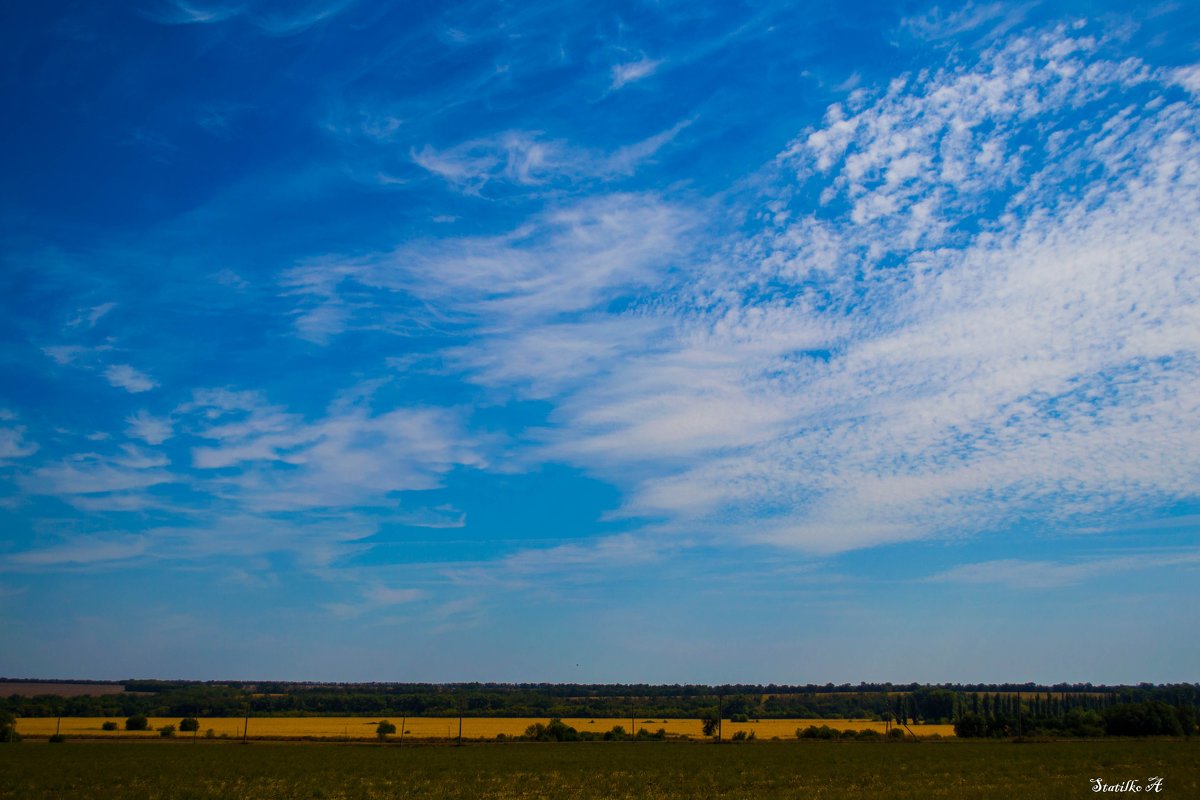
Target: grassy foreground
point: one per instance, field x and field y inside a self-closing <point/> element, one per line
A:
<point x="179" y="770"/>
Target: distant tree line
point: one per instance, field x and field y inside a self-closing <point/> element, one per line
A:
<point x="1167" y="711"/>
<point x="979" y="710"/>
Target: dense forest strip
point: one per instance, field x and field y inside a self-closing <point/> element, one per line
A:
<point x="977" y="710"/>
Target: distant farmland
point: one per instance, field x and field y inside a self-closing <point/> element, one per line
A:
<point x="436" y="727"/>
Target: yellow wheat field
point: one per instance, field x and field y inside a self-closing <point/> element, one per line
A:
<point x="432" y="727"/>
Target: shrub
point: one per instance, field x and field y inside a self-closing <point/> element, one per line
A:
<point x="109" y="726"/>
<point x="739" y="717"/>
<point x="556" y="731"/>
<point x="210" y="734"/>
<point x="384" y="729"/>
<point x="740" y="736"/>
<point x="57" y="738"/>
<point x="189" y="724"/>
<point x="137" y="723"/>
<point x="166" y="731"/>
<point x="813" y="732"/>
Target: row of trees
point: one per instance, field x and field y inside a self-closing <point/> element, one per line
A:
<point x="931" y="704"/>
<point x="1078" y="718"/>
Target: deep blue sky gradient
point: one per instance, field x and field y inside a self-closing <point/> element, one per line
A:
<point x="600" y="342"/>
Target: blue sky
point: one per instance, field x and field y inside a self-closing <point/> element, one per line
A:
<point x="605" y="342"/>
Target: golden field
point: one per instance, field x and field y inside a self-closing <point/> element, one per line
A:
<point x="433" y="727"/>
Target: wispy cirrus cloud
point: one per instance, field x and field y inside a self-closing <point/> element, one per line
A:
<point x="629" y="72"/>
<point x="349" y="458"/>
<point x="91" y="474"/>
<point x="274" y="19"/>
<point x="567" y="261"/>
<point x="375" y="598"/>
<point x="1023" y="574"/>
<point x="941" y="344"/>
<point x="937" y="24"/>
<point x="81" y="552"/>
<point x="527" y="158"/>
<point x="92" y="315"/>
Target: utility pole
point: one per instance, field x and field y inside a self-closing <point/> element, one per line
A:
<point x="403" y="723"/>
<point x="460" y="716"/>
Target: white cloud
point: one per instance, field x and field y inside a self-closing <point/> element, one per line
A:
<point x="631" y="71"/>
<point x="65" y="354"/>
<point x="149" y="428"/>
<point x="130" y="379"/>
<point x="13" y="443"/>
<point x="347" y="458"/>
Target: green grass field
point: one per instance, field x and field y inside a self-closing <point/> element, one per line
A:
<point x="180" y="770"/>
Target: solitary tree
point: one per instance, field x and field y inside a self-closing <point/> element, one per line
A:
<point x="189" y="724"/>
<point x="710" y="725"/>
<point x="8" y="728"/>
<point x="385" y="728"/>
<point x="137" y="723"/>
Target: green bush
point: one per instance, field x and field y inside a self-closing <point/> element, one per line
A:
<point x="57" y="738"/>
<point x="166" y="731"/>
<point x="556" y="731"/>
<point x="109" y="726"/>
<point x="137" y="723"/>
<point x="813" y="732"/>
<point x="189" y="724"/>
<point x="384" y="729"/>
